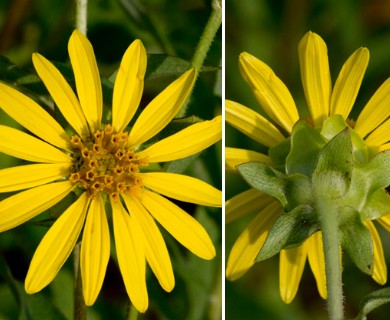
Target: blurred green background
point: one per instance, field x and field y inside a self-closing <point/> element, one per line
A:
<point x="167" y="29"/>
<point x="271" y="31"/>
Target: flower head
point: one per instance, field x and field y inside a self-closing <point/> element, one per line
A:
<point x="329" y="110"/>
<point x="105" y="162"/>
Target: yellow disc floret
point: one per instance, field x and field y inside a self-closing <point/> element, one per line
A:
<point x="104" y="163"/>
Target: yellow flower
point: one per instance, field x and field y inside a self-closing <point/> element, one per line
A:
<point x="372" y="125"/>
<point x="106" y="163"/>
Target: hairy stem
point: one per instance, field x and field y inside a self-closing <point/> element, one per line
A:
<point x="81" y="15"/>
<point x="328" y="217"/>
<point x="204" y="43"/>
<point x="132" y="313"/>
<point x="80" y="310"/>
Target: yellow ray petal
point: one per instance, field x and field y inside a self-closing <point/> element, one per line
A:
<point x="21" y="145"/>
<point x="56" y="246"/>
<point x="291" y="265"/>
<point x="317" y="262"/>
<point x="384" y="147"/>
<point x="380" y="135"/>
<point x="131" y="256"/>
<point x="375" y="112"/>
<point x="348" y="83"/>
<point x="385" y="222"/>
<point x="184" y="228"/>
<point x="95" y="251"/>
<point x="154" y="245"/>
<point x="315" y="74"/>
<point x="183" y="188"/>
<point x="29" y="176"/>
<point x="129" y="84"/>
<point x="235" y="156"/>
<point x="25" y="205"/>
<point x="61" y="92"/>
<point x="380" y="270"/>
<point x="247" y="246"/>
<point x="252" y="124"/>
<point x="186" y="142"/>
<point x="33" y="117"/>
<point x="245" y="203"/>
<point x="162" y="109"/>
<point x="269" y="90"/>
<point x="86" y="73"/>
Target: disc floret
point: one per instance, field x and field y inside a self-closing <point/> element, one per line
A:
<point x="103" y="163"/>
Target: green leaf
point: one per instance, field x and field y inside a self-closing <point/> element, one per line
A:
<point x="108" y="91"/>
<point x="6" y="274"/>
<point x="196" y="292"/>
<point x="332" y="175"/>
<point x="201" y="284"/>
<point x="265" y="179"/>
<point x="31" y="307"/>
<point x="306" y="143"/>
<point x="290" y="228"/>
<point x="38" y="307"/>
<point x="356" y="241"/>
<point x="181" y="165"/>
<point x="177" y="125"/>
<point x="160" y="65"/>
<point x="372" y="301"/>
<point x="62" y="289"/>
<point x="9" y="71"/>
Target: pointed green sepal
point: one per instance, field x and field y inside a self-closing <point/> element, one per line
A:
<point x="356" y="241"/>
<point x="376" y="206"/>
<point x="306" y="143"/>
<point x="279" y="153"/>
<point x="367" y="179"/>
<point x="333" y="125"/>
<point x="290" y="229"/>
<point x="378" y="171"/>
<point x="265" y="179"/>
<point x="332" y="175"/>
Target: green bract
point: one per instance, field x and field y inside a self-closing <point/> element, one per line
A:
<point x="314" y="167"/>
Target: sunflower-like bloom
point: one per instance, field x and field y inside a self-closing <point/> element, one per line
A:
<point x="106" y="163"/>
<point x="372" y="125"/>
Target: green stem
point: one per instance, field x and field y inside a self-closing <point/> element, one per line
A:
<point x="80" y="310"/>
<point x="81" y="15"/>
<point x="208" y="35"/>
<point x="132" y="313"/>
<point x="204" y="43"/>
<point x="327" y="212"/>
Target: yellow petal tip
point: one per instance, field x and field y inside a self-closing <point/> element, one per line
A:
<point x="286" y="296"/>
<point x="210" y="255"/>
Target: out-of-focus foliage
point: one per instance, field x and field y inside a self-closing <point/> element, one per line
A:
<point x="271" y="31"/>
<point x="170" y="31"/>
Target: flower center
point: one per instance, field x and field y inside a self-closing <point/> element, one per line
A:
<point x="104" y="163"/>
